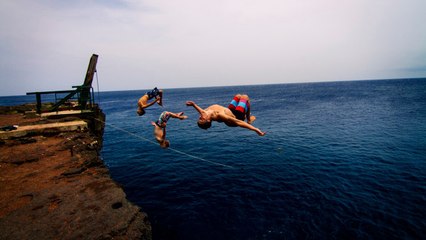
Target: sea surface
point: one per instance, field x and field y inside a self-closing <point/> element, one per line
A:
<point x="340" y="160"/>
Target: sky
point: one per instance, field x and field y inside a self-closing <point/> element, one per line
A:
<point x="46" y="45"/>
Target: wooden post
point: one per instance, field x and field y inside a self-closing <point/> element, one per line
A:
<point x="85" y="91"/>
<point x="38" y="99"/>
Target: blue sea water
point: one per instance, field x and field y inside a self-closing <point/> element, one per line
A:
<point x="340" y="160"/>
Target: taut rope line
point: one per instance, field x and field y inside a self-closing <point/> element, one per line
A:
<point x="172" y="149"/>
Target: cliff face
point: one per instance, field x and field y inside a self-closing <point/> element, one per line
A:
<point x="54" y="185"/>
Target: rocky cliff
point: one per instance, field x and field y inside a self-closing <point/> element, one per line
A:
<point x="54" y="185"/>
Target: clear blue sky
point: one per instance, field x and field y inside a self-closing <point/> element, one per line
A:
<point x="46" y="44"/>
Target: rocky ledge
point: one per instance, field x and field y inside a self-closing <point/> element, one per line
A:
<point x="54" y="185"/>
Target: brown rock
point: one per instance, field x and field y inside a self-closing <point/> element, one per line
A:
<point x="57" y="187"/>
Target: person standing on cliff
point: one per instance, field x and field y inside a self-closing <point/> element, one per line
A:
<point x="160" y="127"/>
<point x="143" y="101"/>
<point x="233" y="116"/>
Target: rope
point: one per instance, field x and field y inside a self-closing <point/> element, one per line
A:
<point x="172" y="149"/>
<point x="145" y="139"/>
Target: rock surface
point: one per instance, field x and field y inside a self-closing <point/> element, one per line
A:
<point x="57" y="187"/>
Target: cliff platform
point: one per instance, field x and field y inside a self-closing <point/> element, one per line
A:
<point x="54" y="185"/>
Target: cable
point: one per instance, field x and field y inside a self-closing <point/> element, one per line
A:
<point x="145" y="139"/>
<point x="172" y="149"/>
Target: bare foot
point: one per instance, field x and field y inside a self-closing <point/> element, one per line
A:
<point x="181" y="116"/>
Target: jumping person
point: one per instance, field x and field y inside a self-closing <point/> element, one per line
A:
<point x="160" y="127"/>
<point x="143" y="101"/>
<point x="233" y="116"/>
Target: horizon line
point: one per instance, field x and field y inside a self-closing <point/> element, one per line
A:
<point x="256" y="84"/>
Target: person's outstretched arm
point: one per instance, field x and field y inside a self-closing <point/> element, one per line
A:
<point x="191" y="103"/>
<point x="242" y="124"/>
<point x="250" y="127"/>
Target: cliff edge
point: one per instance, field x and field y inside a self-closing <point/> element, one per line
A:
<point x="54" y="185"/>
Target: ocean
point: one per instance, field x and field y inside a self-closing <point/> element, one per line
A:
<point x="340" y="160"/>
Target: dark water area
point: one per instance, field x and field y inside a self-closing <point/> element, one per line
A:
<point x="340" y="160"/>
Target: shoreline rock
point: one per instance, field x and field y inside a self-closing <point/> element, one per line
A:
<point x="55" y="185"/>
